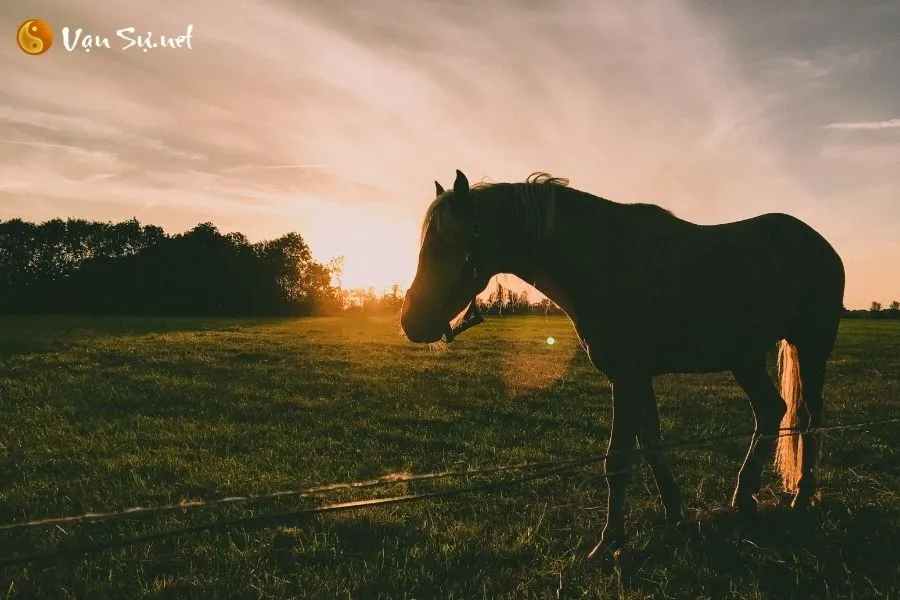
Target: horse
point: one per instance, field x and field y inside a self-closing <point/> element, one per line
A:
<point x="649" y="293"/>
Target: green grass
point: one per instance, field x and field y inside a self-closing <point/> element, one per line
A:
<point x="104" y="414"/>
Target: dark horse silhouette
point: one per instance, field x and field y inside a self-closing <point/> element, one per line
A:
<point x="649" y="293"/>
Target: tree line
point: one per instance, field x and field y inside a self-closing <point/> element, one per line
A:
<point x="501" y="301"/>
<point x="876" y="311"/>
<point x="78" y="266"/>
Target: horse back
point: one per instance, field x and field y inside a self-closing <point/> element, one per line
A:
<point x="690" y="297"/>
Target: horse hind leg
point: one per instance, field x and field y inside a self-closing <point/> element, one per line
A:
<point x="768" y="410"/>
<point x="810" y="446"/>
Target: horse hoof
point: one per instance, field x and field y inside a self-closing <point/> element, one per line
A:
<point x="746" y="508"/>
<point x="801" y="503"/>
<point x="610" y="545"/>
<point x="674" y="517"/>
<point x="607" y="554"/>
<point x="804" y="498"/>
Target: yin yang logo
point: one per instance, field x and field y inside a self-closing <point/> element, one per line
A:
<point x="34" y="37"/>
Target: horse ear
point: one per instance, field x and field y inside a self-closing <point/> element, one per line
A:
<point x="461" y="185"/>
<point x="462" y="205"/>
<point x="439" y="189"/>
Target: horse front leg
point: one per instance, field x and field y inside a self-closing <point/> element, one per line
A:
<point x="648" y="440"/>
<point x="628" y="399"/>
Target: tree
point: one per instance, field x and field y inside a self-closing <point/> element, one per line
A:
<point x="548" y="307"/>
<point x="875" y="307"/>
<point x="895" y="306"/>
<point x="335" y="267"/>
<point x="524" y="302"/>
<point x="392" y="301"/>
<point x="301" y="280"/>
<point x="497" y="299"/>
<point x="77" y="266"/>
<point x="17" y="259"/>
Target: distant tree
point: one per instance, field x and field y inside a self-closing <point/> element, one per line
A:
<point x="895" y="305"/>
<point x="497" y="300"/>
<point x="875" y="307"/>
<point x="517" y="303"/>
<point x="365" y="300"/>
<point x="300" y="279"/>
<point x="392" y="300"/>
<point x="17" y="262"/>
<point x="335" y="267"/>
<point x="121" y="268"/>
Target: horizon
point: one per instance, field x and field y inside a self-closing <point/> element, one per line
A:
<point x="334" y="121"/>
<point x="506" y="281"/>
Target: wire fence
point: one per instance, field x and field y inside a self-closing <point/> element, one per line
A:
<point x="542" y="470"/>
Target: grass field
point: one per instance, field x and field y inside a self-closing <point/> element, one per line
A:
<point x="104" y="414"/>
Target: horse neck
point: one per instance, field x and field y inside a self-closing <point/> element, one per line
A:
<point x="553" y="264"/>
<point x="507" y="223"/>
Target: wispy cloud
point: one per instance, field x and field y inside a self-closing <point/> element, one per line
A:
<point x="889" y="124"/>
<point x="41" y="145"/>
<point x="273" y="167"/>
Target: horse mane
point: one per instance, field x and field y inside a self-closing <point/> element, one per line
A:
<point x="538" y="177"/>
<point x="533" y="201"/>
<point x="652" y="208"/>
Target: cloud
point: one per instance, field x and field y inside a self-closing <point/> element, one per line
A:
<point x="889" y="124"/>
<point x="41" y="145"/>
<point x="273" y="167"/>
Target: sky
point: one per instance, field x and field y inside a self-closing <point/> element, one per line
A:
<point x="333" y="119"/>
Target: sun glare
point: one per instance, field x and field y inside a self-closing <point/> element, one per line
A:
<point x="378" y="250"/>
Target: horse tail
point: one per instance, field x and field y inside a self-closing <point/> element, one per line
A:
<point x="788" y="450"/>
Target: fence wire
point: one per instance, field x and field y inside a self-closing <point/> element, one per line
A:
<point x="543" y="469"/>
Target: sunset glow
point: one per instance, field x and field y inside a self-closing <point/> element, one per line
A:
<point x="333" y="119"/>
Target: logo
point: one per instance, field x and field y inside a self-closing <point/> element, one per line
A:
<point x="34" y="37"/>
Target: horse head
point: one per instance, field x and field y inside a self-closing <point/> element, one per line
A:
<point x="447" y="276"/>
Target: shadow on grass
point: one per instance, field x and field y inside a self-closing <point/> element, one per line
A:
<point x="827" y="551"/>
<point x="358" y="549"/>
<point x="23" y="335"/>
